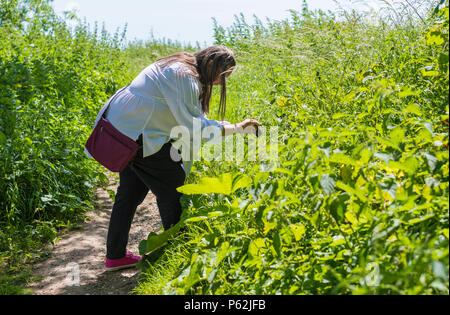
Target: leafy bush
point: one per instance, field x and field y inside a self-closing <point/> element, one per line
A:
<point x="358" y="202"/>
<point x="54" y="80"/>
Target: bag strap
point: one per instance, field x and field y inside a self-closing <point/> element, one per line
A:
<point x="112" y="99"/>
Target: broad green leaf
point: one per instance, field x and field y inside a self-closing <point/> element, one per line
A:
<point x="207" y="186"/>
<point x="410" y="165"/>
<point x="298" y="230"/>
<point x="390" y="187"/>
<point x="431" y="161"/>
<point x="365" y="156"/>
<point x="351" y="217"/>
<point x="343" y="159"/>
<point x="397" y="135"/>
<point x="424" y="135"/>
<point x="351" y="191"/>
<point x="223" y="251"/>
<point x="435" y="40"/>
<point x="443" y="59"/>
<point x="143" y="247"/>
<point x="255" y="247"/>
<point x="414" y="109"/>
<point x="242" y="181"/>
<point x="432" y="73"/>
<point x="407" y="92"/>
<point x="268" y="226"/>
<point x="338" y="207"/>
<point x="224" y="184"/>
<point x="337" y="240"/>
<point x="327" y="183"/>
<point x="388" y="143"/>
<point x="155" y="241"/>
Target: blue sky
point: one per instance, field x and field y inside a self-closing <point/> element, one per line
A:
<point x="182" y="20"/>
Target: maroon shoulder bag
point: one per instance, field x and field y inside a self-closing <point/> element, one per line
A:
<point x="109" y="146"/>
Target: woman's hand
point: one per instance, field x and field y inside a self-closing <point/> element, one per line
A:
<point x="249" y="123"/>
<point x="249" y="126"/>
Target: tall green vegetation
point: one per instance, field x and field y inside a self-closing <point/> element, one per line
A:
<point x="358" y="202"/>
<point x="53" y="81"/>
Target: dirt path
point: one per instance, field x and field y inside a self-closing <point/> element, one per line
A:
<point x="80" y="254"/>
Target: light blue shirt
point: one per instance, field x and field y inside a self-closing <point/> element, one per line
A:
<point x="158" y="100"/>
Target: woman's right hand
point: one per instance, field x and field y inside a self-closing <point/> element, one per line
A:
<point x="249" y="123"/>
<point x="248" y="126"/>
<point x="242" y="127"/>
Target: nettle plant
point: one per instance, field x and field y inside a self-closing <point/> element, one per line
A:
<point x="358" y="200"/>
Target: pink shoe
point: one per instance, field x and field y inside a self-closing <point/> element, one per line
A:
<point x="128" y="261"/>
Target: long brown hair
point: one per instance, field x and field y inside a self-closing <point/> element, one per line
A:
<point x="207" y="66"/>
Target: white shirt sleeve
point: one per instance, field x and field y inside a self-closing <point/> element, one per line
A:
<point x="181" y="92"/>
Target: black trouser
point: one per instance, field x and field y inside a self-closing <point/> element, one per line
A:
<point x="158" y="173"/>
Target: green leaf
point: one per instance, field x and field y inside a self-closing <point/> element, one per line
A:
<point x="268" y="226"/>
<point x="410" y="165"/>
<point x="445" y="232"/>
<point x="155" y="241"/>
<point x="327" y="183"/>
<point x="365" y="156"/>
<point x="255" y="247"/>
<point x="397" y="135"/>
<point x="343" y="159"/>
<point x="2" y="138"/>
<point x="435" y="39"/>
<point x="215" y="214"/>
<point x="425" y="135"/>
<point x="337" y="240"/>
<point x="443" y="59"/>
<point x="390" y="187"/>
<point x="431" y="161"/>
<point x="196" y="219"/>
<point x="298" y="230"/>
<point x="338" y="207"/>
<point x="432" y="73"/>
<point x="223" y="251"/>
<point x="315" y="219"/>
<point x="388" y="143"/>
<point x="143" y="247"/>
<point x="277" y="244"/>
<point x="242" y="181"/>
<point x="407" y="92"/>
<point x="209" y="185"/>
<point x="351" y="191"/>
<point x="413" y="109"/>
<point x="224" y="184"/>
